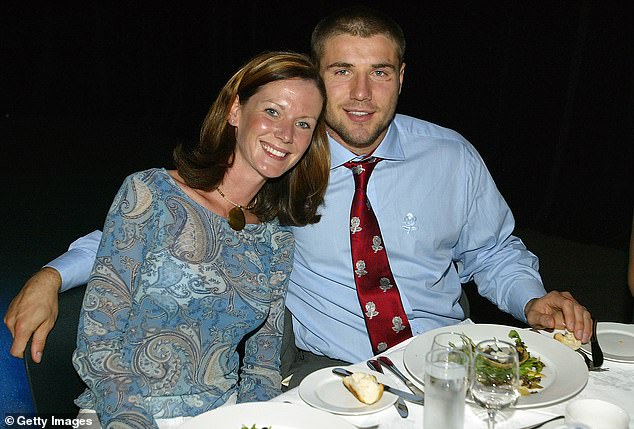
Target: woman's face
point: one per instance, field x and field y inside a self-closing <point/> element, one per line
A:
<point x="275" y="126"/>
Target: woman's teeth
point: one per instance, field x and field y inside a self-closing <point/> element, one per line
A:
<point x="274" y="151"/>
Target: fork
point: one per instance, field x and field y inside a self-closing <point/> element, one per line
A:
<point x="588" y="361"/>
<point x="583" y="353"/>
<point x="597" y="353"/>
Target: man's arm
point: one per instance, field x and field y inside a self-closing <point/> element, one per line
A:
<point x="75" y="265"/>
<point x="504" y="270"/>
<point x="33" y="311"/>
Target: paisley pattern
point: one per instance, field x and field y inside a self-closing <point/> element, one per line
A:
<point x="173" y="292"/>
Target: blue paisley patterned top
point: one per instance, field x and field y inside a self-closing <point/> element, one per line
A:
<point x="173" y="291"/>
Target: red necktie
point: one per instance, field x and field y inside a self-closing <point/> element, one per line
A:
<point x="380" y="300"/>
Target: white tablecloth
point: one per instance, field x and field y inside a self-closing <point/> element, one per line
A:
<point x="615" y="385"/>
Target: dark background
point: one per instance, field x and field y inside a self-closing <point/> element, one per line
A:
<point x="91" y="91"/>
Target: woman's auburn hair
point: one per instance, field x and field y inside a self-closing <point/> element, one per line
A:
<point x="293" y="197"/>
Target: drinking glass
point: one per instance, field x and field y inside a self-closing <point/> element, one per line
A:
<point x="496" y="377"/>
<point x="456" y="341"/>
<point x="445" y="387"/>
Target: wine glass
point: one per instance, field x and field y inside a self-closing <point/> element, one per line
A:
<point x="453" y="340"/>
<point x="496" y="376"/>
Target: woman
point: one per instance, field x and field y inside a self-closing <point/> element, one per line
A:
<point x="195" y="260"/>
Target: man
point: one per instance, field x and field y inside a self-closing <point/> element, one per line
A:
<point x="442" y="222"/>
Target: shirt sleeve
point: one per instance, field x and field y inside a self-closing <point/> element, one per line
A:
<point x="74" y="266"/>
<point x="100" y="358"/>
<point x="260" y="377"/>
<point x="504" y="270"/>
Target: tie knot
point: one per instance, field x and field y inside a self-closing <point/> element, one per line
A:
<point x="361" y="170"/>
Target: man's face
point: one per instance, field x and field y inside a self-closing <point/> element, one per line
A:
<point x="363" y="80"/>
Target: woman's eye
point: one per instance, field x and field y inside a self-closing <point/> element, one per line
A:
<point x="304" y="125"/>
<point x="271" y="111"/>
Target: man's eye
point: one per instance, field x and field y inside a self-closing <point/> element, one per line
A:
<point x="271" y="111"/>
<point x="380" y="73"/>
<point x="342" y="72"/>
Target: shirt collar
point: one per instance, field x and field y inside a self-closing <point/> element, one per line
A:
<point x="390" y="148"/>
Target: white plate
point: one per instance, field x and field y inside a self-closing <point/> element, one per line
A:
<point x="565" y="373"/>
<point x="616" y="341"/>
<point x="276" y="415"/>
<point x="324" y="390"/>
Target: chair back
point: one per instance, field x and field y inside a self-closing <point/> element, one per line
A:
<point x="54" y="382"/>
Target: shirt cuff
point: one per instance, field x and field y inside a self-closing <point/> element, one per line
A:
<point x="523" y="293"/>
<point x="75" y="265"/>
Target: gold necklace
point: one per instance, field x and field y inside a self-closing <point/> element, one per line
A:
<point x="236" y="218"/>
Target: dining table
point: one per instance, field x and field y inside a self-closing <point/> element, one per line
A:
<point x="613" y="383"/>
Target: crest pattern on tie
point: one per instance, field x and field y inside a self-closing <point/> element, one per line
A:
<point x="378" y="294"/>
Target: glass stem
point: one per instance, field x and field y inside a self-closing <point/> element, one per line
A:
<point x="491" y="420"/>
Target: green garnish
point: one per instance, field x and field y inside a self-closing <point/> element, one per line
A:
<point x="530" y="367"/>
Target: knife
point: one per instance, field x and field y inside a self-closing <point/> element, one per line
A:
<point x="597" y="353"/>
<point x="387" y="362"/>
<point x="405" y="395"/>
<point x="400" y="406"/>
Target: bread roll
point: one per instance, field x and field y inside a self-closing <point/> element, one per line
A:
<point x="568" y="339"/>
<point x="364" y="387"/>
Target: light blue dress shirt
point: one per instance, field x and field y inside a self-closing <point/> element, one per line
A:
<point x="75" y="265"/>
<point x="443" y="223"/>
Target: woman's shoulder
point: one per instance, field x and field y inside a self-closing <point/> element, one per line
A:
<point x="149" y="175"/>
<point x="148" y="185"/>
<point x="154" y="178"/>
